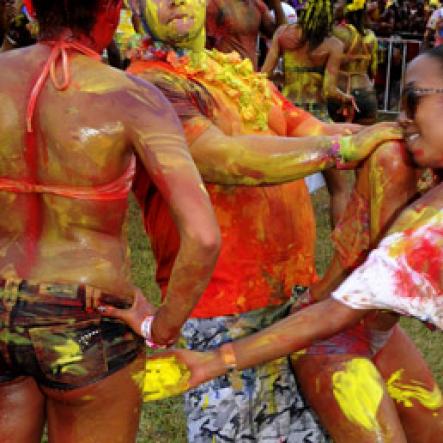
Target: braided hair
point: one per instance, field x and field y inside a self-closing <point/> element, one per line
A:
<point x="316" y="20"/>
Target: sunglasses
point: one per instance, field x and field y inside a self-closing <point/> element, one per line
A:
<point x="411" y="98"/>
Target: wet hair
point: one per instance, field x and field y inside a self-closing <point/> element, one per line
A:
<point x="356" y="18"/>
<point x="79" y="15"/>
<point x="316" y="20"/>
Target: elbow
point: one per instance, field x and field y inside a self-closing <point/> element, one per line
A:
<point x="206" y="242"/>
<point x="210" y="243"/>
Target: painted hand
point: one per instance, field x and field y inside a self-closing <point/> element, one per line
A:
<point x="196" y="367"/>
<point x="358" y="146"/>
<point x="133" y="316"/>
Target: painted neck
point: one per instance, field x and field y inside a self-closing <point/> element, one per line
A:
<point x="68" y="34"/>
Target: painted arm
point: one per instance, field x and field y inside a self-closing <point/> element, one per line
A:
<point x="289" y="335"/>
<point x="270" y="24"/>
<point x="158" y="140"/>
<point x="272" y="55"/>
<point x="332" y="68"/>
<point x="260" y="159"/>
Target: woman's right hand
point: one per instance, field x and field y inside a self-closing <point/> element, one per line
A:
<point x="134" y="316"/>
<point x="360" y="145"/>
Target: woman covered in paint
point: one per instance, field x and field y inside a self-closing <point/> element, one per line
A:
<point x="359" y="63"/>
<point x="235" y="25"/>
<point x="402" y="274"/>
<point x="311" y="61"/>
<point x="412" y="247"/>
<point x="71" y="129"/>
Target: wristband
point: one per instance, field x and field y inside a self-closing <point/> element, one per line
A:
<point x="228" y="356"/>
<point x="341" y="147"/>
<point x="146" y="331"/>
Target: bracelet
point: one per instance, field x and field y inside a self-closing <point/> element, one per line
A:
<point x="146" y="331"/>
<point x="338" y="150"/>
<point x="228" y="356"/>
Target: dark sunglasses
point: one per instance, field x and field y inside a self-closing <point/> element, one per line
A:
<point x="411" y="98"/>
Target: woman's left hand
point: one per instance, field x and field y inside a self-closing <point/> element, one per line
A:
<point x="203" y="366"/>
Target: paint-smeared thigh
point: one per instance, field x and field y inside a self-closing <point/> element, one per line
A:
<point x="103" y="412"/>
<point x="350" y="398"/>
<point x="410" y="382"/>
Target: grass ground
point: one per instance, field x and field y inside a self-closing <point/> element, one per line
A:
<point x="163" y="421"/>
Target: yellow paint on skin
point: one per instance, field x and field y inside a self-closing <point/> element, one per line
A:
<point x="377" y="178"/>
<point x="358" y="390"/>
<point x="164" y="377"/>
<point x="405" y="393"/>
<point x="192" y="36"/>
<point x="296" y="355"/>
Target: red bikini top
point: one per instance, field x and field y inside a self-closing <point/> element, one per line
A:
<point x="115" y="190"/>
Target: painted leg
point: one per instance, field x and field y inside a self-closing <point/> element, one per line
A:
<point x="106" y="411"/>
<point x="410" y="382"/>
<point x="22" y="411"/>
<point x="352" y="398"/>
<point x="384" y="185"/>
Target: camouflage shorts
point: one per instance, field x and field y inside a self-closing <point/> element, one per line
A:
<point x="260" y="404"/>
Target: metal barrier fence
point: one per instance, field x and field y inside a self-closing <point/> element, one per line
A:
<point x="394" y="53"/>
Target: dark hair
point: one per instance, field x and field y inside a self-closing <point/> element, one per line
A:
<point x="356" y="18"/>
<point x="79" y="15"/>
<point x="316" y="21"/>
<point x="436" y="53"/>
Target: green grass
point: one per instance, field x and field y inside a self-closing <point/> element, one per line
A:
<point x="163" y="421"/>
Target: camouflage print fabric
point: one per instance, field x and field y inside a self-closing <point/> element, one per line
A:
<point x="261" y="404"/>
<point x="50" y="332"/>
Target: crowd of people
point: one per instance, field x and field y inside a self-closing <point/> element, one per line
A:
<point x="219" y="157"/>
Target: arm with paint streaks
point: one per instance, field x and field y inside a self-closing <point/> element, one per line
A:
<point x="289" y="335"/>
<point x="267" y="159"/>
<point x="332" y="68"/>
<point x="273" y="54"/>
<point x="158" y="140"/>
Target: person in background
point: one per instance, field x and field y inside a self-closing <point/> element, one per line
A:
<point x="381" y="17"/>
<point x="234" y="25"/>
<point x="311" y="61"/>
<point x="358" y="66"/>
<point x="17" y="29"/>
<point x="434" y="26"/>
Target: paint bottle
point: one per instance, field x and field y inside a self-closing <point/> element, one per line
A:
<point x="164" y="377"/>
